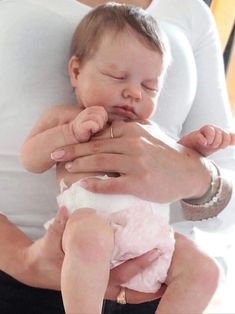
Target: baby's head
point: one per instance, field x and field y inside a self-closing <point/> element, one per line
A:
<point x="118" y="58"/>
<point x="115" y="18"/>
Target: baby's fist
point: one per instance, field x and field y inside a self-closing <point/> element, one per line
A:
<point x="89" y="122"/>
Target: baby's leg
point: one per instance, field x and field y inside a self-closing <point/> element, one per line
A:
<point x="192" y="280"/>
<point x="88" y="245"/>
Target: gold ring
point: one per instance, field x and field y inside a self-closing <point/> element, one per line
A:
<point x="121" y="298"/>
<point x="111" y="132"/>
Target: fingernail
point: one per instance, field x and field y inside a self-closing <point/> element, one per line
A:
<point x="83" y="183"/>
<point x="153" y="255"/>
<point x="68" y="166"/>
<point x="57" y="154"/>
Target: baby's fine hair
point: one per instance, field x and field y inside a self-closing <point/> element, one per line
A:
<point x="116" y="17"/>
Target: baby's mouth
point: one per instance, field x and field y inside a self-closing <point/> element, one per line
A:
<point x="125" y="112"/>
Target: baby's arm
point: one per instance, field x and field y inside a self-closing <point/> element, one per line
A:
<point x="46" y="136"/>
<point x="208" y="140"/>
<point x="89" y="121"/>
<point x="58" y="127"/>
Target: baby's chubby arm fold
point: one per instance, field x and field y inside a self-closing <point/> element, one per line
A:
<point x="58" y="127"/>
<point x="51" y="132"/>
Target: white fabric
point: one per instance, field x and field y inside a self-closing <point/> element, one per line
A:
<point x="34" y="46"/>
<point x="138" y="227"/>
<point x="77" y="197"/>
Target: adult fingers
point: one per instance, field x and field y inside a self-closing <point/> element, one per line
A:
<point x="115" y="130"/>
<point x="124" y="272"/>
<point x="67" y="153"/>
<point x="60" y="220"/>
<point x="56" y="229"/>
<point x="115" y="185"/>
<point x="132" y="267"/>
<point x="134" y="297"/>
<point x="101" y="163"/>
<point x="128" y="138"/>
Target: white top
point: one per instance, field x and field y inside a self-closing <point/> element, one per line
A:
<point x="34" y="45"/>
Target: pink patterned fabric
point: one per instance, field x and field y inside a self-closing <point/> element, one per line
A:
<point x="137" y="230"/>
<point x="139" y="226"/>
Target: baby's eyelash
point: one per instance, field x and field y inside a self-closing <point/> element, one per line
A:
<point x="150" y="88"/>
<point x="116" y="77"/>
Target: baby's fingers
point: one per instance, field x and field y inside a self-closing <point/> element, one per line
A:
<point x="232" y="138"/>
<point x="87" y="129"/>
<point x="226" y="139"/>
<point x="201" y="140"/>
<point x="209" y="133"/>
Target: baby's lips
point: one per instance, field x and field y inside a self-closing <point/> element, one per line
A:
<point x="124" y="112"/>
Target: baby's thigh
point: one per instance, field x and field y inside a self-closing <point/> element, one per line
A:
<point x="188" y="262"/>
<point x="88" y="233"/>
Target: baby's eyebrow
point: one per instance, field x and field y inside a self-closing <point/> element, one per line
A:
<point x="114" y="66"/>
<point x="153" y="81"/>
<point x="113" y="69"/>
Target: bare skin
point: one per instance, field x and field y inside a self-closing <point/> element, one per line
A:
<point x="38" y="264"/>
<point x="134" y="152"/>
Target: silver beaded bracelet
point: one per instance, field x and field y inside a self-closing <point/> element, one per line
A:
<point x="213" y="201"/>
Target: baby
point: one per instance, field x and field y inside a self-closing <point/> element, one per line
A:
<point x="118" y="60"/>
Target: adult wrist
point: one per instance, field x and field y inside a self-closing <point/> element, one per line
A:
<point x="14" y="244"/>
<point x="39" y="271"/>
<point x="20" y="268"/>
<point x="26" y="271"/>
<point x="213" y="201"/>
<point x="212" y="189"/>
<point x="28" y="268"/>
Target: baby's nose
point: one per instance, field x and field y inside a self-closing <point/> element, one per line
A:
<point x="133" y="91"/>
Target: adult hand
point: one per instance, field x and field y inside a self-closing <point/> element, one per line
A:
<point x="45" y="256"/>
<point x="44" y="259"/>
<point x="126" y="271"/>
<point x="148" y="167"/>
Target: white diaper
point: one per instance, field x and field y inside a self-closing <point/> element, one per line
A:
<point x="139" y="226"/>
<point x="76" y="197"/>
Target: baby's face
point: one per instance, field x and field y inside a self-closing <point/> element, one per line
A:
<point x="123" y="76"/>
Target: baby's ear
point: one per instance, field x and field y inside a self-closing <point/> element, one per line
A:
<point x="73" y="68"/>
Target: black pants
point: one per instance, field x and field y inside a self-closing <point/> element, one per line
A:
<point x="17" y="298"/>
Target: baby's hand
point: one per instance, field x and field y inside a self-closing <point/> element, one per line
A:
<point x="208" y="140"/>
<point x="88" y="122"/>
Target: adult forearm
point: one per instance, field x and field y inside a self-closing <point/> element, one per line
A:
<point x="13" y="245"/>
<point x="38" y="263"/>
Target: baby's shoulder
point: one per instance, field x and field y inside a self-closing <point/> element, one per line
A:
<point x="62" y="113"/>
<point x="65" y="108"/>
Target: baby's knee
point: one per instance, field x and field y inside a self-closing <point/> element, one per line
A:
<point x="89" y="235"/>
<point x="206" y="272"/>
<point x="194" y="265"/>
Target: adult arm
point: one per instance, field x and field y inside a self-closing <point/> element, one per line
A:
<point x="150" y="167"/>
<point x="38" y="264"/>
